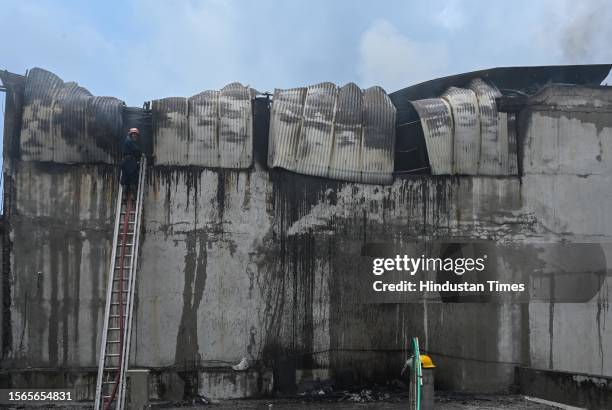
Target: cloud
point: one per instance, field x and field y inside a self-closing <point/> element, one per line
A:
<point x="452" y="16"/>
<point x="54" y="38"/>
<point x="187" y="47"/>
<point x="156" y="48"/>
<point x="392" y="60"/>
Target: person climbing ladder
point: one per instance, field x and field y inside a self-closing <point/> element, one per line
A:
<point x="129" y="163"/>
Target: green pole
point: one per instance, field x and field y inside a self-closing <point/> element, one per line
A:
<point x="417" y="372"/>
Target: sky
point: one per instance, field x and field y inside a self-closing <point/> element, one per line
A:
<point x="140" y="50"/>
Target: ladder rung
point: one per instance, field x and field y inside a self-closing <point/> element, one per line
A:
<point x="112" y="354"/>
<point x="116" y="315"/>
<point x="114" y="328"/>
<point x="113" y="341"/>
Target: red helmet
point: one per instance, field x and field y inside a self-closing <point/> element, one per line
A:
<point x="134" y="131"/>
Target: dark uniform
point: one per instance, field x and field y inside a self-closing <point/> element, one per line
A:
<point x="129" y="164"/>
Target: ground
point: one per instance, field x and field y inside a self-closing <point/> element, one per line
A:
<point x="443" y="402"/>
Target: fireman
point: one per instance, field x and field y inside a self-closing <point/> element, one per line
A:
<point x="129" y="163"/>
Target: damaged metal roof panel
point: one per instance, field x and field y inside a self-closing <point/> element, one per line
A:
<point x="235" y="127"/>
<point x="466" y="121"/>
<point x="64" y="123"/>
<point x="316" y="137"/>
<point x="346" y="158"/>
<point x="332" y="132"/>
<point x="493" y="130"/>
<point x="211" y="129"/>
<point x="285" y="126"/>
<point x="378" y="137"/>
<point x="170" y="130"/>
<point x="437" y="122"/>
<point x="203" y="120"/>
<point x="465" y="134"/>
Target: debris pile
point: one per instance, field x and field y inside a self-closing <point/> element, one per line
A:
<point x="395" y="390"/>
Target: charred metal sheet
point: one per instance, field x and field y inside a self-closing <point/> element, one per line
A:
<point x="211" y="129"/>
<point x="64" y="123"/>
<point x="465" y="134"/>
<point x="343" y="133"/>
<point x="316" y="137"/>
<point x="466" y="141"/>
<point x="261" y="129"/>
<point x="437" y="122"/>
<point x="378" y="137"/>
<point x="511" y="101"/>
<point x="203" y="126"/>
<point x="346" y="158"/>
<point x="285" y="127"/>
<point x="170" y="131"/>
<point x="235" y="127"/>
<point x="512" y="144"/>
<point x="493" y="130"/>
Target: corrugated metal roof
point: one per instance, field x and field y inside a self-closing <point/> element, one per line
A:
<point x="464" y="106"/>
<point x="285" y="127"/>
<point x="170" y="131"/>
<point x="345" y="163"/>
<point x="203" y="120"/>
<point x="378" y="136"/>
<point x="210" y="129"/>
<point x="64" y="123"/>
<point x="332" y="132"/>
<point x="465" y="134"/>
<point x="235" y="127"/>
<point x="493" y="130"/>
<point x="316" y="137"/>
<point x="437" y="122"/>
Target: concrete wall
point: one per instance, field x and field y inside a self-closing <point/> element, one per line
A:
<point x="568" y="175"/>
<point x="267" y="263"/>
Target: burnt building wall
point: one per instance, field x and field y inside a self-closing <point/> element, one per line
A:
<point x="266" y="263"/>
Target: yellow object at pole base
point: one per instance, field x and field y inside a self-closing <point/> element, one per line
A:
<point x="426" y="362"/>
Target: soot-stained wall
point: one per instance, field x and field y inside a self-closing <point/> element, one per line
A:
<point x="266" y="264"/>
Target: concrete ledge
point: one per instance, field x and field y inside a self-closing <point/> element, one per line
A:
<point x="212" y="382"/>
<point x="81" y="380"/>
<point x="574" y="389"/>
<point x="164" y="384"/>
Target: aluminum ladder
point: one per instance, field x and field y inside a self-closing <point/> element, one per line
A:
<point x="115" y="346"/>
